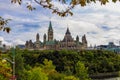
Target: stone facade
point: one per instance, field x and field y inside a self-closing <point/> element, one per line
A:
<point x="51" y="44"/>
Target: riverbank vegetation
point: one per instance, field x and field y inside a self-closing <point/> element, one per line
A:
<point x="64" y="64"/>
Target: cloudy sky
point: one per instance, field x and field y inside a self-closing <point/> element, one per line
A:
<point x="101" y="24"/>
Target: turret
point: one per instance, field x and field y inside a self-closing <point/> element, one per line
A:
<point x="26" y="44"/>
<point x="44" y="38"/>
<point x="77" y="38"/>
<point x="84" y="41"/>
<point x="37" y="37"/>
<point x="30" y="44"/>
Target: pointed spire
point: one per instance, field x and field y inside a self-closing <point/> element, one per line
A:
<point x="67" y="32"/>
<point x="37" y="37"/>
<point x="44" y="35"/>
<point x="84" y="39"/>
<point x="50" y="26"/>
<point x="44" y="38"/>
<point x="77" y="38"/>
<point x="37" y="34"/>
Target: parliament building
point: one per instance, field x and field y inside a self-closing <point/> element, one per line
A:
<point x="49" y="43"/>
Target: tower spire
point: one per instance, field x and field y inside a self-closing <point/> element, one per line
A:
<point x="50" y="26"/>
<point x="84" y="41"/>
<point x="37" y="37"/>
<point x="68" y="31"/>
<point x="50" y="32"/>
<point x="44" y="38"/>
<point x="77" y="38"/>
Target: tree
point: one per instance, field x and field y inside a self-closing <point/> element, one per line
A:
<point x="19" y="67"/>
<point x="48" y="66"/>
<point x="69" y="3"/>
<point x="81" y="71"/>
<point x="36" y="74"/>
<point x="70" y="78"/>
<point x="51" y="5"/>
<point x="19" y="63"/>
<point x="5" y="70"/>
<point x="4" y="24"/>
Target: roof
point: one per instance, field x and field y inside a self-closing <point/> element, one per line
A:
<point x="67" y="32"/>
<point x="50" y="42"/>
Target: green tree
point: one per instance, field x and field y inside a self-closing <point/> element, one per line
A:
<point x="48" y="66"/>
<point x="50" y="5"/>
<point x="49" y="69"/>
<point x="70" y="5"/>
<point x="5" y="70"/>
<point x="72" y="63"/>
<point x="4" y="24"/>
<point x="70" y="78"/>
<point x="56" y="76"/>
<point x="19" y="65"/>
<point x="36" y="74"/>
<point x="81" y="71"/>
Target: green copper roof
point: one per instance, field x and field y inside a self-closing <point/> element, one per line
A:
<point x="50" y="26"/>
<point x="50" y="42"/>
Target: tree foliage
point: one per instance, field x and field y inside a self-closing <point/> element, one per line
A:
<point x="4" y="24"/>
<point x="70" y="5"/>
<point x="48" y="66"/>
<point x="70" y="78"/>
<point x="96" y="61"/>
<point x="81" y="71"/>
<point x="19" y="66"/>
<point x="51" y="5"/>
<point x="5" y="70"/>
<point x="36" y="74"/>
<point x="64" y="65"/>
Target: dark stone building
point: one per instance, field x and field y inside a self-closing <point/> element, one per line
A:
<point x="51" y="44"/>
